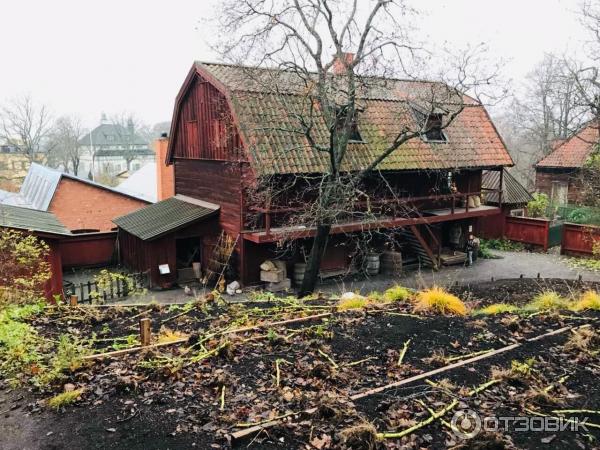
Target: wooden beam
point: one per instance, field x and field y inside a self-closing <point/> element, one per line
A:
<point x="425" y="246"/>
<point x="259" y="237"/>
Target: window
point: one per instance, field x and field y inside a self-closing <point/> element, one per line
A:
<point x="354" y="135"/>
<point x="517" y="212"/>
<point x="431" y="124"/>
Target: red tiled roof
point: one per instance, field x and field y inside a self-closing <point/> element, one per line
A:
<point x="265" y="116"/>
<point x="573" y="152"/>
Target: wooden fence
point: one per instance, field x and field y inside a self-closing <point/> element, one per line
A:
<point x="579" y="240"/>
<point x="528" y="231"/>
<point x="118" y="288"/>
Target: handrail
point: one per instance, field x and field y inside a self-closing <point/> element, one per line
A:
<point x="268" y="210"/>
<point x="375" y="202"/>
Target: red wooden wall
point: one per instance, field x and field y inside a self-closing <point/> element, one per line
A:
<point x="205" y="128"/>
<point x="54" y="286"/>
<point x="527" y="230"/>
<point x="579" y="239"/>
<point x="90" y="249"/>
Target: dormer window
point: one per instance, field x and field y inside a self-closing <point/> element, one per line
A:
<point x="354" y="136"/>
<point x="431" y="126"/>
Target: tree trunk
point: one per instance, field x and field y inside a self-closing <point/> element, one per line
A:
<point x="314" y="260"/>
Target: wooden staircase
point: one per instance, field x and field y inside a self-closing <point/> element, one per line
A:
<point x="417" y="245"/>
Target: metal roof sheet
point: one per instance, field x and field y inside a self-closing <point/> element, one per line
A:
<point x="141" y="183"/>
<point x="165" y="216"/>
<point x="40" y="185"/>
<point x="513" y="192"/>
<point x="31" y="220"/>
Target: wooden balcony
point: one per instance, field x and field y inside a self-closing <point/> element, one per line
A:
<point x="423" y="210"/>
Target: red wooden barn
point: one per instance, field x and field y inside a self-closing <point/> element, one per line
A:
<point x="228" y="135"/>
<point x="558" y="174"/>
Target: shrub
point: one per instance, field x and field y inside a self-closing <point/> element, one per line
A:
<point x="500" y="244"/>
<point x="23" y="267"/>
<point x="64" y="399"/>
<point x="548" y="301"/>
<point x="538" y="206"/>
<point x="438" y="300"/>
<point x="355" y="302"/>
<point x="497" y="308"/>
<point x="587" y="300"/>
<point x="396" y="294"/>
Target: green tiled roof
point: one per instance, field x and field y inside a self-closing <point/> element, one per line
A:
<point x="268" y="103"/>
<point x="166" y="216"/>
<point x="31" y="220"/>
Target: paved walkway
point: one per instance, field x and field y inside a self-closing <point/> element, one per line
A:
<point x="510" y="265"/>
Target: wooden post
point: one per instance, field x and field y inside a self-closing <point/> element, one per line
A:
<point x="145" y="331"/>
<point x="73" y="300"/>
<point x="500" y="187"/>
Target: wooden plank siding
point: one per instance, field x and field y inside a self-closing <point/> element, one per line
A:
<point x="205" y="129"/>
<point x="579" y="240"/>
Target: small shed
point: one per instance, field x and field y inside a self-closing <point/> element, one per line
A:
<point x="46" y="227"/>
<point x="514" y="201"/>
<point x="166" y="238"/>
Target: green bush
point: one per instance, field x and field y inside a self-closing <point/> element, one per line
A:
<point x="538" y="206"/>
<point x="579" y="215"/>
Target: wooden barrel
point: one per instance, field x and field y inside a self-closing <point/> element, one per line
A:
<point x="299" y="269"/>
<point x="372" y="264"/>
<point x="391" y="263"/>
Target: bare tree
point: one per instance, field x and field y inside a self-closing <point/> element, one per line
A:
<point x="544" y="112"/>
<point x="64" y="140"/>
<point x="25" y="125"/>
<point x="309" y="42"/>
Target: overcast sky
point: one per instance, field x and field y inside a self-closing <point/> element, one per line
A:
<point x="86" y="57"/>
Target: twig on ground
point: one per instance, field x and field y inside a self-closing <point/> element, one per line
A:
<point x="403" y="352"/>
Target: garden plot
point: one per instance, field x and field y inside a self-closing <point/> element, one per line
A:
<point x="381" y="371"/>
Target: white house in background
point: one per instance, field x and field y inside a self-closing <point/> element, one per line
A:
<point x="141" y="183"/>
<point x="112" y="148"/>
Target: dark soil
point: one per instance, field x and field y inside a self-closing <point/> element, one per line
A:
<point x="159" y="399"/>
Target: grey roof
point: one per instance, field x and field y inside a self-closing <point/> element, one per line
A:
<point x="40" y="185"/>
<point x="123" y="152"/>
<point x="513" y="192"/>
<point x="31" y="220"/>
<point x="121" y="136"/>
<point x="164" y="217"/>
<point x="141" y="183"/>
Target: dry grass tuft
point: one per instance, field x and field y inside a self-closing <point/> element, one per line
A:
<point x="588" y="300"/>
<point x="396" y="294"/>
<point x="437" y="358"/>
<point x="167" y="335"/>
<point x="548" y="301"/>
<point x="583" y="339"/>
<point x="64" y="399"/>
<point x="497" y="308"/>
<point x="356" y="302"/>
<point x="360" y="437"/>
<point x="439" y="301"/>
<point x="544" y="397"/>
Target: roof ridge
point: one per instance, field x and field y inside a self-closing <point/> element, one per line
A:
<point x="276" y="69"/>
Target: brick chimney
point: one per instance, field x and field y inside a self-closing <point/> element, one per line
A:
<point x="165" y="175"/>
<point x="338" y="64"/>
